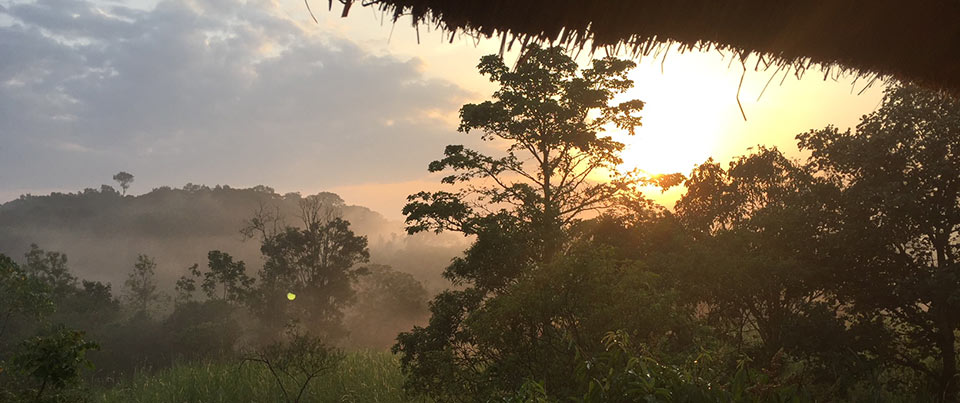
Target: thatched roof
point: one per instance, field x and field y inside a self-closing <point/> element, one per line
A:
<point x="916" y="40"/>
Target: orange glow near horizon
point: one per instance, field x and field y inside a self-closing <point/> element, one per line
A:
<point x="691" y="112"/>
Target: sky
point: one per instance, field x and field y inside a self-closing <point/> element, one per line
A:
<point x="255" y="92"/>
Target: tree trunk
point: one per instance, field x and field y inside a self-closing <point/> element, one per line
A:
<point x="946" y="340"/>
<point x="948" y="357"/>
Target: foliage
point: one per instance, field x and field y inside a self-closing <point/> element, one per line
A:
<point x="21" y="295"/>
<point x="526" y="288"/>
<point x="748" y="219"/>
<point x="900" y="176"/>
<point x="620" y="373"/>
<point x="141" y="286"/>
<point x="534" y="328"/>
<point x="102" y="233"/>
<point x="54" y="360"/>
<point x="124" y="179"/>
<point x="319" y="263"/>
<point x="186" y="285"/>
<point x="227" y="275"/>
<point x="544" y="112"/>
<point x="520" y="207"/>
<point x="50" y="268"/>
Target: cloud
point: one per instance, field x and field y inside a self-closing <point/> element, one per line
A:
<point x="206" y="91"/>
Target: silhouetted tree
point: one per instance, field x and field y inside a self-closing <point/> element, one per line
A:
<point x="228" y="276"/>
<point x="766" y="226"/>
<point x="187" y="285"/>
<point x="900" y="175"/>
<point x="319" y="263"/>
<point x="549" y="116"/>
<point x="124" y="179"/>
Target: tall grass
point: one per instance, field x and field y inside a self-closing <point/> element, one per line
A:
<point x="363" y="376"/>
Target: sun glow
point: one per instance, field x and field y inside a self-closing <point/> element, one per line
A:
<point x="691" y="112"/>
<point x="688" y="108"/>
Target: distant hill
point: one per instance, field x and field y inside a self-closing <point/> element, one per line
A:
<point x="102" y="231"/>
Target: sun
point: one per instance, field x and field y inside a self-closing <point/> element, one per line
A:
<point x="688" y="110"/>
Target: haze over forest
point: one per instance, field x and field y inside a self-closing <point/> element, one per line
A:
<point x="102" y="232"/>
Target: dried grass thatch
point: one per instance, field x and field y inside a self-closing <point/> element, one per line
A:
<point x="916" y="41"/>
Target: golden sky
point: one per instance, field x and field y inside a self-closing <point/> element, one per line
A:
<point x="255" y="92"/>
<point x="691" y="111"/>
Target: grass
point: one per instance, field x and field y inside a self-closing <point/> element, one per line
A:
<point x="363" y="376"/>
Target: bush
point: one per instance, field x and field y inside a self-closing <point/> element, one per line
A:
<point x="53" y="362"/>
<point x="295" y="362"/>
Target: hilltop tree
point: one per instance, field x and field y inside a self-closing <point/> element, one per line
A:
<point x="124" y="179"/>
<point x="900" y="175"/>
<point x="548" y="115"/>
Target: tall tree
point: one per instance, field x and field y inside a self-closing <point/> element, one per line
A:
<point x="549" y="116"/>
<point x="900" y="174"/>
<point x="124" y="179"/>
<point x="319" y="263"/>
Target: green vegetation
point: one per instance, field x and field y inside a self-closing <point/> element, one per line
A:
<point x="771" y="280"/>
<point x="100" y="339"/>
<point x="362" y="376"/>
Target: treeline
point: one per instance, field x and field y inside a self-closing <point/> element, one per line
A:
<point x="103" y="231"/>
<point x="316" y="290"/>
<point x="831" y="279"/>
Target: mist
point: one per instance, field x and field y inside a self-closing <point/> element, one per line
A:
<point x="102" y="232"/>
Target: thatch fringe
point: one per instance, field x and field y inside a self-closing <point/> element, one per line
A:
<point x="873" y="39"/>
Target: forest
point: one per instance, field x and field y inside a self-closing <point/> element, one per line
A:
<point x="832" y="277"/>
